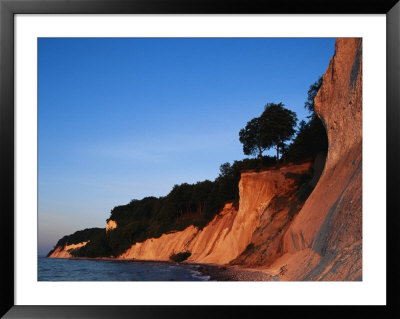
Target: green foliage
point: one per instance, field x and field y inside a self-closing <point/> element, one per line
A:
<point x="273" y="128"/>
<point x="311" y="94"/>
<point x="252" y="137"/>
<point x="225" y="169"/>
<point x="278" y="124"/>
<point x="311" y="137"/>
<point x="98" y="246"/>
<point x="179" y="257"/>
<point x="88" y="234"/>
<point x="80" y="236"/>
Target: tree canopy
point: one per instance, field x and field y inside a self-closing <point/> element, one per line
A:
<point x="311" y="94"/>
<point x="253" y="138"/>
<point x="273" y="128"/>
<point x="311" y="137"/>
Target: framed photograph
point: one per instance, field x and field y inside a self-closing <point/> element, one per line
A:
<point x="167" y="158"/>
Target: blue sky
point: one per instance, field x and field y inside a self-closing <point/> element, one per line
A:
<point x="127" y="118"/>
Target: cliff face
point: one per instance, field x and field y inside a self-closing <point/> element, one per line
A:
<point x="111" y="224"/>
<point x="324" y="240"/>
<point x="275" y="218"/>
<point x="64" y="252"/>
<point x="231" y="231"/>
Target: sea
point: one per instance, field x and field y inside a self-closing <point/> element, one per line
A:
<point x="56" y="269"/>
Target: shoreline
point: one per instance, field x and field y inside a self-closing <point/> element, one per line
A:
<point x="229" y="273"/>
<point x="215" y="272"/>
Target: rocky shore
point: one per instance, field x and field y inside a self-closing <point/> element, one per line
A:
<point x="222" y="273"/>
<point x="213" y="271"/>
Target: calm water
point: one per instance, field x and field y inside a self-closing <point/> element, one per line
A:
<point x="101" y="270"/>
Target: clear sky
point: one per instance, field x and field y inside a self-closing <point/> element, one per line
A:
<point x="127" y="118"/>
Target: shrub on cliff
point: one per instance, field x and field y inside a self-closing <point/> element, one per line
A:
<point x="179" y="257"/>
<point x="311" y="137"/>
<point x="97" y="247"/>
<point x="89" y="234"/>
<point x="80" y="236"/>
<point x="311" y="94"/>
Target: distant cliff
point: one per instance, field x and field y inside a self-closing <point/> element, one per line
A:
<point x="65" y="251"/>
<point x="71" y="243"/>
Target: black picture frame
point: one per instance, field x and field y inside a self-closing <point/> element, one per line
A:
<point x="8" y="8"/>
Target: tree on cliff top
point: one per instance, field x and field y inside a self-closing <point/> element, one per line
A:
<point x="253" y="139"/>
<point x="272" y="129"/>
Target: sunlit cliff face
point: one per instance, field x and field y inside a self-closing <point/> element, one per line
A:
<point x="111" y="224"/>
<point x="324" y="239"/>
<point x="230" y="232"/>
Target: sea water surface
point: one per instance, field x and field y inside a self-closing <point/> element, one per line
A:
<point x="55" y="269"/>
